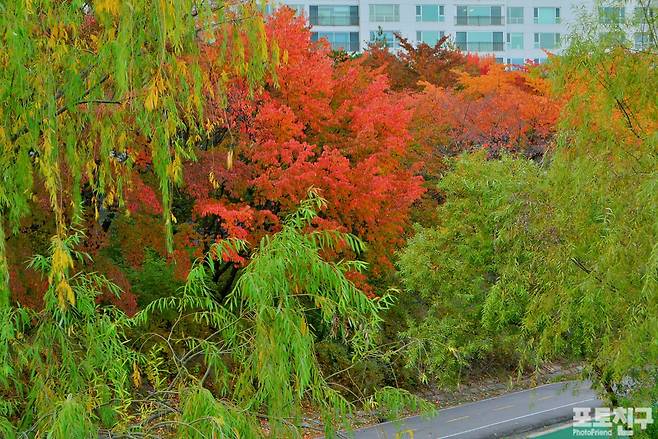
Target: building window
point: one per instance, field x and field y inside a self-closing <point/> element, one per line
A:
<point x="347" y="41"/>
<point x="429" y="37"/>
<point x="384" y="13"/>
<point x="270" y="8"/>
<point x="324" y="15"/>
<point x="479" y="15"/>
<point x="645" y="15"/>
<point x="479" y="41"/>
<point x="385" y="37"/>
<point x="515" y="40"/>
<point x="515" y="15"/>
<point x="430" y="13"/>
<point x="547" y="40"/>
<point x="612" y="14"/>
<point x="547" y="15"/>
<point x="642" y="40"/>
<point x="516" y="62"/>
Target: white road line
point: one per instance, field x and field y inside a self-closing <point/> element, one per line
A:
<point x="565" y="384"/>
<point x="458" y="419"/>
<point x="514" y="419"/>
<point x="571" y="384"/>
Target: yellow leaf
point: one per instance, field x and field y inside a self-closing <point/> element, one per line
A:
<point x="229" y="159"/>
<point x="71" y="295"/>
<point x="65" y="294"/>
<point x="285" y="57"/>
<point x="111" y="6"/>
<point x="109" y="199"/>
<point x="137" y="377"/>
<point x="174" y="169"/>
<point x="213" y="180"/>
<point x="151" y="99"/>
<point x="61" y="261"/>
<point x="61" y="301"/>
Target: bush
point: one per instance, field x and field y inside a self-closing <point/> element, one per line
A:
<point x="459" y="267"/>
<point x="154" y="279"/>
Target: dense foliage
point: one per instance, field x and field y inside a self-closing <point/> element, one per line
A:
<point x="215" y="203"/>
<point x="554" y="260"/>
<point x="471" y="269"/>
<point x="601" y="192"/>
<point x="97" y="146"/>
<point x="88" y="93"/>
<point x="218" y="369"/>
<point x="335" y="127"/>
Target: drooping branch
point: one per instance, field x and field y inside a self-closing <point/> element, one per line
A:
<point x="63" y="109"/>
<point x="581" y="265"/>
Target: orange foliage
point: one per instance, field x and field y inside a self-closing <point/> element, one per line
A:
<point x="337" y="128"/>
<point x="366" y="132"/>
<point x="498" y="110"/>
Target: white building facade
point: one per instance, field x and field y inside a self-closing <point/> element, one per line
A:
<point x="512" y="31"/>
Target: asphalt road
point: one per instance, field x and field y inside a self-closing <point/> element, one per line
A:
<point x="498" y="417"/>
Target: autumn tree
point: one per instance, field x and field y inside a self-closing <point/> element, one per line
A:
<point x="335" y="127"/>
<point x="462" y="102"/>
<point x="487" y="107"/>
<point x="412" y="64"/>
<point x="496" y="110"/>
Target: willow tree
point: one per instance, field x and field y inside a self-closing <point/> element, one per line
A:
<point x="600" y="298"/>
<point x="218" y="370"/>
<point x="559" y="260"/>
<point x="88" y="86"/>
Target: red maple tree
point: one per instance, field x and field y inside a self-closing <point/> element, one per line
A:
<point x="335" y="127"/>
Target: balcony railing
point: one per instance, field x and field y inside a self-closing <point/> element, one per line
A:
<point x="547" y="46"/>
<point x="335" y="21"/>
<point x="479" y="20"/>
<point x="481" y="46"/>
<point x="538" y="20"/>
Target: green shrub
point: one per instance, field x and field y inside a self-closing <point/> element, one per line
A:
<point x="154" y="279"/>
<point x="466" y="269"/>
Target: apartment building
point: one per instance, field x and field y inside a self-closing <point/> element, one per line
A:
<point x="512" y="31"/>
